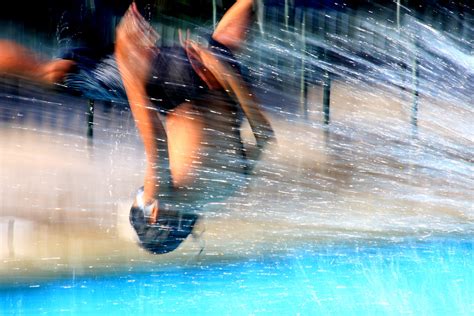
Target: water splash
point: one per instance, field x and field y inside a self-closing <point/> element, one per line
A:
<point x="371" y="175"/>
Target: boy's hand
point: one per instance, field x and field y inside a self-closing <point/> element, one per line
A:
<point x="55" y="71"/>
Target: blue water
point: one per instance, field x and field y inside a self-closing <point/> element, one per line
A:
<point x="429" y="278"/>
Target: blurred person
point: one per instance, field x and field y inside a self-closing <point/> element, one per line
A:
<point x="194" y="150"/>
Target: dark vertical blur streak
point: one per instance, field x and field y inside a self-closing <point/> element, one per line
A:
<point x="326" y="97"/>
<point x="90" y="119"/>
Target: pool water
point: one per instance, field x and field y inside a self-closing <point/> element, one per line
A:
<point x="433" y="277"/>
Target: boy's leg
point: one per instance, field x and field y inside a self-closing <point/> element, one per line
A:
<point x="231" y="30"/>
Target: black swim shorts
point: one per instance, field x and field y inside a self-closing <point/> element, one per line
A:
<point x="173" y="79"/>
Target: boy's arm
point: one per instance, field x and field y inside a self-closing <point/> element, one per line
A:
<point x="18" y="60"/>
<point x="134" y="52"/>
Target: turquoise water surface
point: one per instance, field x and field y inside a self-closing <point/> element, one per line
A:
<point x="419" y="278"/>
